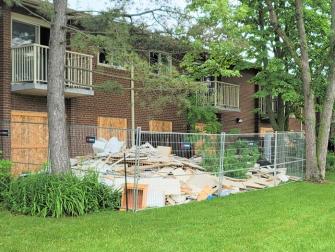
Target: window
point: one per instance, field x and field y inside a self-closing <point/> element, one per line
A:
<point x="262" y="105"/>
<point x="161" y="62"/>
<point x="23" y="33"/>
<point x="112" y="59"/>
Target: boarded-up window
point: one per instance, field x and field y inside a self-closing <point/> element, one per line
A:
<point x="160" y="126"/>
<point x="29" y="141"/>
<point x="263" y="130"/>
<point x="112" y="127"/>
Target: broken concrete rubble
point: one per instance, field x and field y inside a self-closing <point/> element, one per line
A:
<point x="168" y="179"/>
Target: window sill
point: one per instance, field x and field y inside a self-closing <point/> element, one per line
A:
<point x="112" y="66"/>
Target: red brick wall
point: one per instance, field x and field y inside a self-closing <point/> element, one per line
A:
<point x="293" y="125"/>
<point x="5" y="62"/>
<point x="5" y="75"/>
<point x="85" y="110"/>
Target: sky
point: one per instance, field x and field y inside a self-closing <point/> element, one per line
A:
<point x="134" y="6"/>
<point x="99" y="5"/>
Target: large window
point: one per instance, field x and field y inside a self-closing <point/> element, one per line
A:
<point x="160" y="62"/>
<point x="23" y="33"/>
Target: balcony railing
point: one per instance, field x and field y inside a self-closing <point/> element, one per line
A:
<point x="30" y="65"/>
<point x="221" y="95"/>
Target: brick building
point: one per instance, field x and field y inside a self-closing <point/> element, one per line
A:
<point x="23" y="81"/>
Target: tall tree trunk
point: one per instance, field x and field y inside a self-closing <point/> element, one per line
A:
<point x="58" y="144"/>
<point x="313" y="172"/>
<point x="328" y="104"/>
<point x="312" y="168"/>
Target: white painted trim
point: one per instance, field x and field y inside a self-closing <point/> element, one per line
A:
<point x="29" y="20"/>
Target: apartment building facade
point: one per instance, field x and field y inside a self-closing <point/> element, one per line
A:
<point x="24" y="40"/>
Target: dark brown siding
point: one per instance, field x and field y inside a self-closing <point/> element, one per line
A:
<point x="247" y="105"/>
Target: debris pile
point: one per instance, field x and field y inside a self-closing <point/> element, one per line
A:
<point x="164" y="178"/>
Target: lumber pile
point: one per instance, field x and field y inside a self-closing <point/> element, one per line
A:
<point x="169" y="179"/>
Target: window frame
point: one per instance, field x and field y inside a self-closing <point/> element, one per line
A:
<point x="24" y="19"/>
<point x="160" y="53"/>
<point x="108" y="65"/>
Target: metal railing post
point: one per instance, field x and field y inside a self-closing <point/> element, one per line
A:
<point x="222" y="150"/>
<point x="137" y="164"/>
<point x="275" y="159"/>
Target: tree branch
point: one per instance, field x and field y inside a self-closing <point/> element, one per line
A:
<point x="275" y="24"/>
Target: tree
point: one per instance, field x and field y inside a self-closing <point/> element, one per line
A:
<point x="58" y="142"/>
<point x="316" y="137"/>
<point x="243" y="31"/>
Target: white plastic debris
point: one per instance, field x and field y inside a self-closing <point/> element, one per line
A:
<point x="113" y="146"/>
<point x="283" y="177"/>
<point x="99" y="145"/>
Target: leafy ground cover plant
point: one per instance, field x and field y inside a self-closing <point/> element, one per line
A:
<point x="59" y="195"/>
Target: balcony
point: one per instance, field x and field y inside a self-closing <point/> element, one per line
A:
<point x="30" y="71"/>
<point x="223" y="96"/>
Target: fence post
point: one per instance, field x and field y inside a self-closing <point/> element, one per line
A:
<point x="221" y="167"/>
<point x="275" y="158"/>
<point x="137" y="164"/>
<point x="302" y="145"/>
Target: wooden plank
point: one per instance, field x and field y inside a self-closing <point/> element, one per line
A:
<point x="164" y="150"/>
<point x="160" y="126"/>
<point x="206" y="191"/>
<point x="263" y="130"/>
<point x="29" y="141"/>
<point x="141" y="197"/>
<point x="112" y="127"/>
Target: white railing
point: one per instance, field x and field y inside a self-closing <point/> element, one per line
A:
<point x="222" y="95"/>
<point x="30" y="64"/>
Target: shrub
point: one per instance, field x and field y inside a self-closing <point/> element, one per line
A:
<point x="330" y="164"/>
<point x="59" y="195"/>
<point x="240" y="156"/>
<point x="5" y="176"/>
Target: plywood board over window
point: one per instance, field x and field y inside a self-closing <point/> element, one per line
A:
<point x="112" y="127"/>
<point x="29" y="141"/>
<point x="160" y="126"/>
<point x="264" y="130"/>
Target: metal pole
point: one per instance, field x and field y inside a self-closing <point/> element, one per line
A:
<point x="275" y="158"/>
<point x="302" y="145"/>
<point x="222" y="149"/>
<point x="132" y="97"/>
<point x="137" y="163"/>
<point x="125" y="180"/>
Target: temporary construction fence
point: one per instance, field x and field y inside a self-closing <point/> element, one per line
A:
<point x="155" y="169"/>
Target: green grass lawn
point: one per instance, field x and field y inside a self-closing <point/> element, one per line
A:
<point x="294" y="217"/>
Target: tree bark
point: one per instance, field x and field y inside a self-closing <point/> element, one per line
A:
<point x="58" y="143"/>
<point x="327" y="108"/>
<point x="312" y="168"/>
